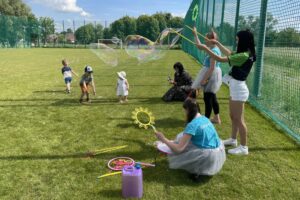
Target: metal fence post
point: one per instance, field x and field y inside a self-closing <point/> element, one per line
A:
<point x="260" y="49"/>
<point x="202" y="17"/>
<point x="222" y="20"/>
<point x="213" y="14"/>
<point x="237" y="14"/>
<point x="206" y="21"/>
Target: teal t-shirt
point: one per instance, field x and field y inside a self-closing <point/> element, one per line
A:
<point x="204" y="134"/>
<point x="216" y="51"/>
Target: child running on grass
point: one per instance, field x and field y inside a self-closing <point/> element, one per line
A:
<point x="67" y="73"/>
<point x="86" y="81"/>
<point x="122" y="87"/>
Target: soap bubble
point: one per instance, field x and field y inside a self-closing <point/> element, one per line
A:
<point x="142" y="48"/>
<point x="105" y="53"/>
<point x="169" y="37"/>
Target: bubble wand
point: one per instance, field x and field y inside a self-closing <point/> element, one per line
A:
<point x="137" y="114"/>
<point x="197" y="32"/>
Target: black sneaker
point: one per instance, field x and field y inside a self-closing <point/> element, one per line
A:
<point x="199" y="178"/>
<point x="195" y="178"/>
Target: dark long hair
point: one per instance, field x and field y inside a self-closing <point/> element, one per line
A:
<point x="192" y="108"/>
<point x="179" y="66"/>
<point x="246" y="43"/>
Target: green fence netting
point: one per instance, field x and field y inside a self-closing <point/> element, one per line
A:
<point x="24" y="32"/>
<point x="274" y="82"/>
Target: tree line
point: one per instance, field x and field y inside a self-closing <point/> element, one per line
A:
<point x="18" y="23"/>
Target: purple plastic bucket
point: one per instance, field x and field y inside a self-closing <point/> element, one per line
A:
<point x="132" y="182"/>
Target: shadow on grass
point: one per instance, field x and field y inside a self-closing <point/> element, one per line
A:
<point x="170" y="177"/>
<point x="50" y="91"/>
<point x="114" y="193"/>
<point x="161" y="173"/>
<point x="139" y="101"/>
<point x="161" y="123"/>
<point x="275" y="148"/>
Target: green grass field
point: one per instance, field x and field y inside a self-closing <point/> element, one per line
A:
<point x="45" y="134"/>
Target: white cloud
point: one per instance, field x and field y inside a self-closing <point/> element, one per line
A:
<point x="69" y="6"/>
<point x="179" y="14"/>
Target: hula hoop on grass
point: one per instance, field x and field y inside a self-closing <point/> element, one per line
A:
<point x="117" y="164"/>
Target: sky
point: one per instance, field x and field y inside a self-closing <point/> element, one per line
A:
<point x="104" y="10"/>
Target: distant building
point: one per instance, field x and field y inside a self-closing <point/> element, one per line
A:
<point x="70" y="37"/>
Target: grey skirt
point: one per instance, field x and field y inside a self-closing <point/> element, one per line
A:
<point x="198" y="161"/>
<point x="214" y="82"/>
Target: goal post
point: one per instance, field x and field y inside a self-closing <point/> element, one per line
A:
<point x="113" y="42"/>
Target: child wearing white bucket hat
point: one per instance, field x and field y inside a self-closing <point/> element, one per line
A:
<point x="122" y="87"/>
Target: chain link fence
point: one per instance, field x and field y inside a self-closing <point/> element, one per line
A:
<point x="274" y="82"/>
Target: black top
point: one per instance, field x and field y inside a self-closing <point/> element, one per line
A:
<point x="183" y="79"/>
<point x="241" y="65"/>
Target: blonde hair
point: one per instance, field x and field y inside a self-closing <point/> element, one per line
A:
<point x="212" y="35"/>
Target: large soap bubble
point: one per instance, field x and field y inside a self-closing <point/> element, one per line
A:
<point x="145" y="50"/>
<point x="105" y="53"/>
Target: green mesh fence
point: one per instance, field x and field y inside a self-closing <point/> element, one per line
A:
<point x="22" y="32"/>
<point x="274" y="81"/>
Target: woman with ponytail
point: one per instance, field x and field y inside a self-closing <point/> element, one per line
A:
<point x="241" y="62"/>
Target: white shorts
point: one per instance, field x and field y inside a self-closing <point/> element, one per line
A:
<point x="238" y="90"/>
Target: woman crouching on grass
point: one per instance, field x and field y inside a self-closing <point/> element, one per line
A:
<point x="198" y="149"/>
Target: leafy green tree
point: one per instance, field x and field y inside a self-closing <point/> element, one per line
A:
<point x="47" y="27"/>
<point x="14" y="22"/>
<point x="69" y="30"/>
<point x="85" y="34"/>
<point x="123" y="27"/>
<point x="98" y="32"/>
<point x="176" y="22"/>
<point x="15" y="8"/>
<point x="160" y="17"/>
<point x="107" y="33"/>
<point x="228" y="36"/>
<point x="148" y="27"/>
<point x="289" y="37"/>
<point x="252" y="23"/>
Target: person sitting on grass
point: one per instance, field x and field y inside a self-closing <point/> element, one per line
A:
<point x="86" y="81"/>
<point x="122" y="87"/>
<point x="198" y="149"/>
<point x="67" y="73"/>
<point x="181" y="85"/>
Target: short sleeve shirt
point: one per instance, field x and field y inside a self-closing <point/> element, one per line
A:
<point x="216" y="51"/>
<point x="66" y="71"/>
<point x="241" y="65"/>
<point x="203" y="132"/>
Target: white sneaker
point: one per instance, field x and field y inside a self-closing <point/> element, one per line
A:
<point x="240" y="150"/>
<point x="230" y="142"/>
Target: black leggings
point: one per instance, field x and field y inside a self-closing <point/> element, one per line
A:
<point x="211" y="103"/>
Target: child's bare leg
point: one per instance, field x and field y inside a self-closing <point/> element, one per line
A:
<point x="120" y="99"/>
<point x="82" y="94"/>
<point x="125" y="98"/>
<point x="87" y="93"/>
<point x="68" y="87"/>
